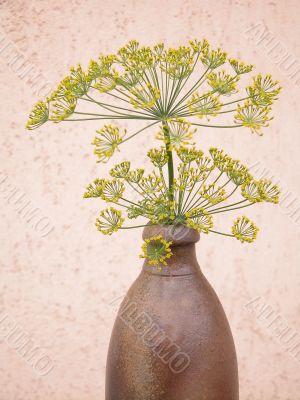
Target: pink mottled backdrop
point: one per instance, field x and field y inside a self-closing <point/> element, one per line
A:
<point x="57" y="287"/>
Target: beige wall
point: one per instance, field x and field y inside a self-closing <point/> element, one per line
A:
<point x="57" y="288"/>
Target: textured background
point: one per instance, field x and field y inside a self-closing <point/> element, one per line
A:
<point x="58" y="288"/>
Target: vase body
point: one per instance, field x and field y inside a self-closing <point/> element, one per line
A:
<point x="171" y="339"/>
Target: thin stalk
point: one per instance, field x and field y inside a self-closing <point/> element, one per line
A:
<point x="136" y="226"/>
<point x="229" y="205"/>
<point x="157" y="106"/>
<point x="227" y="197"/>
<point x="190" y="92"/>
<point x="136" y="133"/>
<point x="236" y="101"/>
<point x="182" y="192"/>
<point x="109" y="106"/>
<point x="95" y="114"/>
<point x="230" y="209"/>
<point x="192" y="114"/>
<point x="218" y="126"/>
<point x="101" y="118"/>
<point x="166" y="131"/>
<point x="186" y="106"/>
<point x="193" y="69"/>
<point x="176" y="92"/>
<point x="187" y="204"/>
<point x="221" y="233"/>
<point x="195" y="204"/>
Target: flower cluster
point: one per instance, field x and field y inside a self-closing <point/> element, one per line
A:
<point x="176" y="88"/>
<point x="203" y="186"/>
<point x="156" y="250"/>
<point x="107" y="141"/>
<point x="158" y="83"/>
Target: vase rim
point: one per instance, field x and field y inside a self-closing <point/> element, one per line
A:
<point x="177" y="234"/>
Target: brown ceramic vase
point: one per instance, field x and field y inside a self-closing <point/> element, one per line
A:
<point x="171" y="339"/>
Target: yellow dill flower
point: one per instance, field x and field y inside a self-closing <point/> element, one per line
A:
<point x="129" y="49"/>
<point x="213" y="58"/>
<point x="237" y="172"/>
<point x="188" y="177"/>
<point x="151" y="184"/>
<point x="38" y="116"/>
<point x="244" y="230"/>
<point x="120" y="170"/>
<point x="240" y="67"/>
<point x="75" y="85"/>
<point x="252" y="116"/>
<point x="127" y="80"/>
<point x="113" y="190"/>
<point x="199" y="219"/>
<point x="222" y="83"/>
<point x="205" y="164"/>
<point x="263" y="91"/>
<point x="78" y="82"/>
<point x="107" y="142"/>
<point x="162" y="214"/>
<point x="95" y="189"/>
<point x="156" y="250"/>
<point x="269" y="191"/>
<point x="135" y="176"/>
<point x="213" y="194"/>
<point x="199" y="47"/>
<point x="158" y="157"/>
<point x="177" y="63"/>
<point x="110" y="221"/>
<point x="144" y="96"/>
<point x="180" y="133"/>
<point x="220" y="159"/>
<point x="144" y="77"/>
<point x="204" y="105"/>
<point x="101" y="68"/>
<point x="250" y="190"/>
<point x="61" y="91"/>
<point x="106" y="83"/>
<point x="187" y="155"/>
<point x="63" y="108"/>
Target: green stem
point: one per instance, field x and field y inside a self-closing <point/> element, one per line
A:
<point x="189" y="93"/>
<point x="139" y="131"/>
<point x="221" y="233"/>
<point x="227" y="197"/>
<point x="136" y="226"/>
<point x="229" y="205"/>
<point x="187" y="204"/>
<point x="218" y="126"/>
<point x="230" y="209"/>
<point x="166" y="131"/>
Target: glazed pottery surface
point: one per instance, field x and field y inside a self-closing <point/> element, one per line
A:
<point x="171" y="339"/>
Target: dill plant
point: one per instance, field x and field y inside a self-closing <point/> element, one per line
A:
<point x="176" y="91"/>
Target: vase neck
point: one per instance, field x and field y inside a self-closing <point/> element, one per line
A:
<point x="183" y="262"/>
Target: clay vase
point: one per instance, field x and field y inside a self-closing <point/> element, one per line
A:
<point x="171" y="339"/>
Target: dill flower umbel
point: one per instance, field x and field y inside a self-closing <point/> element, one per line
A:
<point x="180" y="133"/>
<point x="107" y="142"/>
<point x="253" y="117"/>
<point x="199" y="219"/>
<point x="38" y="116"/>
<point x="152" y="84"/>
<point x="170" y="90"/>
<point x="244" y="230"/>
<point x="109" y="221"/>
<point x="156" y="250"/>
